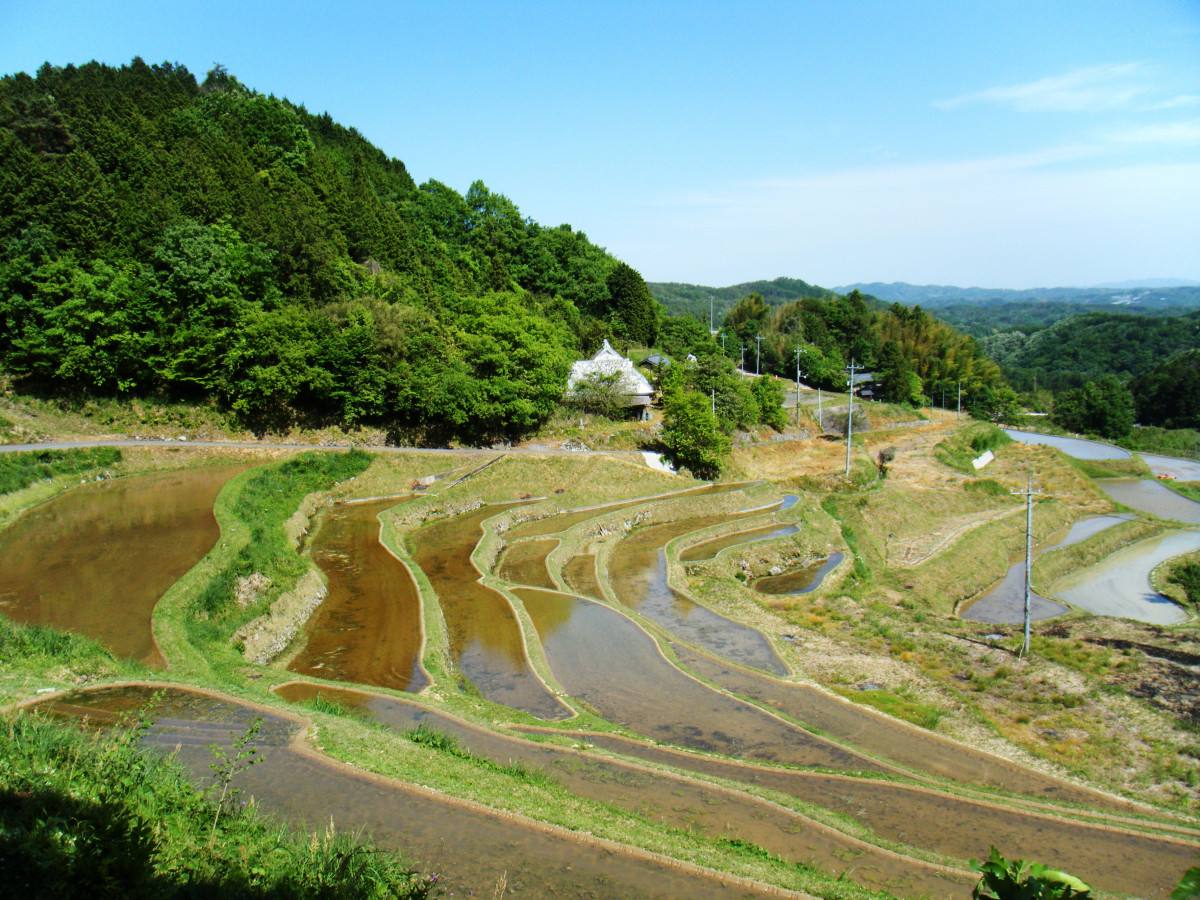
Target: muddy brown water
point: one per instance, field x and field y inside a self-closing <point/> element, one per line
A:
<point x="709" y="549"/>
<point x="525" y="563"/>
<point x="801" y="581"/>
<point x="96" y="559"/>
<point x="579" y="574"/>
<point x="668" y="799"/>
<point x="607" y="661"/>
<point x="485" y="638"/>
<point x="876" y="735"/>
<point x="637" y="569"/>
<point x="368" y="628"/>
<point x="1143" y="865"/>
<point x="471" y="850"/>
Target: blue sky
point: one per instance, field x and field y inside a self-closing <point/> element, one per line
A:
<point x="1000" y="144"/>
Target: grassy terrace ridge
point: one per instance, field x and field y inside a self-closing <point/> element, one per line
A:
<point x="920" y="539"/>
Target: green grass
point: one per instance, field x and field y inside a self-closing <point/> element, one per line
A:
<point x="19" y="470"/>
<point x="38" y="650"/>
<point x="966" y="444"/>
<point x="898" y="705"/>
<point x="263" y="502"/>
<point x="93" y="815"/>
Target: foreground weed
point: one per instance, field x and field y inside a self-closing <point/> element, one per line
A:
<point x="227" y="764"/>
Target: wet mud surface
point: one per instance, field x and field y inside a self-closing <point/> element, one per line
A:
<point x="668" y="799"/>
<point x="637" y="570"/>
<point x="604" y="659"/>
<point x="1143" y="865"/>
<point x="469" y="849"/>
<point x="485" y="638"/>
<point x="909" y="747"/>
<point x="525" y="563"/>
<point x="96" y="559"/>
<point x="368" y="628"/>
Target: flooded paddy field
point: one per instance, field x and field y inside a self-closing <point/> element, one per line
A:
<point x="1116" y="859"/>
<point x="855" y="793"/>
<point x="638" y="571"/>
<point x="799" y="581"/>
<point x="676" y="801"/>
<point x="910" y="747"/>
<point x="96" y="559"/>
<point x="709" y="549"/>
<point x="368" y="629"/>
<point x="471" y="849"/>
<point x="485" y="638"/>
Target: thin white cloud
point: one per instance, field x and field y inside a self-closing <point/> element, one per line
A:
<point x="1089" y="89"/>
<point x="1177" y="102"/>
<point x="1182" y="133"/>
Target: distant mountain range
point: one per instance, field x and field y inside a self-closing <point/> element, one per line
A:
<point x="1153" y="293"/>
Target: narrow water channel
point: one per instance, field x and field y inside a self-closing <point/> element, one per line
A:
<point x="470" y="849"/>
<point x="368" y="629"/>
<point x="637" y="569"/>
<point x="485" y="637"/>
<point x="96" y="559"/>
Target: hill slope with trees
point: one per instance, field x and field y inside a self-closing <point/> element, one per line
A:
<point x="199" y="241"/>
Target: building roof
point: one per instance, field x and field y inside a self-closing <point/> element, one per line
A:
<point x="608" y="361"/>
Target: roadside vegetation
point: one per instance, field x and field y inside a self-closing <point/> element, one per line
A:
<point x="19" y="470"/>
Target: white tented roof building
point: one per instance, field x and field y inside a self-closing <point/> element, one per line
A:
<point x="607" y="361"/>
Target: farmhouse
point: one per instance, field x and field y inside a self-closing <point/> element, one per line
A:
<point x="610" y="373"/>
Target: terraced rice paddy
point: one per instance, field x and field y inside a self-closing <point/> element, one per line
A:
<point x="594" y="668"/>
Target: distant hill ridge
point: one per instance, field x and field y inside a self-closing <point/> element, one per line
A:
<point x="1165" y="294"/>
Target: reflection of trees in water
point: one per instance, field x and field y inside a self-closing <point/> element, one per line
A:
<point x="368" y="629"/>
<point x="484" y="635"/>
<point x="96" y="559"/>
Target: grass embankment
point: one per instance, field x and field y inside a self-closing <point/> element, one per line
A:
<point x="93" y="815"/>
<point x="196" y="617"/>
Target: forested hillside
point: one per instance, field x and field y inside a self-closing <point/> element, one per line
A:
<point x="1074" y="351"/>
<point x="693" y="299"/>
<point x="200" y="241"/>
<point x="914" y="357"/>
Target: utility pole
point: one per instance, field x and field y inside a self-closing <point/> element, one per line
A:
<point x="797" y="385"/>
<point x="758" y="356"/>
<point x="722" y="343"/>
<point x="714" y="402"/>
<point x="850" y="417"/>
<point x="1028" y="495"/>
<point x="820" y="418"/>
<point x="959" y="417"/>
<point x="742" y="367"/>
